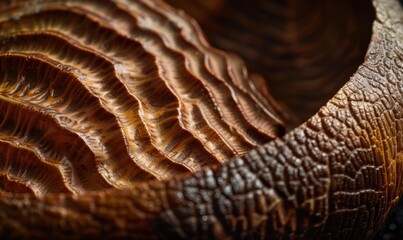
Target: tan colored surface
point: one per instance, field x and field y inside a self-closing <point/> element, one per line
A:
<point x="113" y="95"/>
<point x="98" y="96"/>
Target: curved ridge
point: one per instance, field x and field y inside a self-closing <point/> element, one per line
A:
<point x="113" y="169"/>
<point x="159" y="106"/>
<point x="161" y="144"/>
<point x="127" y="112"/>
<point x="13" y="185"/>
<point x="38" y="176"/>
<point x="242" y="93"/>
<point x="297" y="186"/>
<point x="138" y="29"/>
<point x="195" y="63"/>
<point x="39" y="133"/>
<point x="284" y="43"/>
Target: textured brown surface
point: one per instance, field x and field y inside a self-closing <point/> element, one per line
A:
<point x="132" y="96"/>
<point x="103" y="95"/>
<point x="312" y="47"/>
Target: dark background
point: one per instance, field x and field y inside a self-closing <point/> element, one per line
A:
<point x="393" y="229"/>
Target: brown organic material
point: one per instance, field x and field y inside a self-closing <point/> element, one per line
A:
<point x="134" y="97"/>
<point x="100" y="99"/>
<point x="312" y="48"/>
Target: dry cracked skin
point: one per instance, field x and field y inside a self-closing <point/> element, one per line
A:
<point x="139" y="119"/>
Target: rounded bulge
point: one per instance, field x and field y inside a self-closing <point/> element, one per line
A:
<point x="325" y="160"/>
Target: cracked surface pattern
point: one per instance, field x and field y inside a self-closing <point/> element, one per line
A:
<point x="336" y="176"/>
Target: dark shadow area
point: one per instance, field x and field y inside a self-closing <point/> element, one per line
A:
<point x="393" y="228"/>
<point x="307" y="50"/>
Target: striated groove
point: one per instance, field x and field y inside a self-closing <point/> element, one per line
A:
<point x="183" y="87"/>
<point x="126" y="111"/>
<point x="314" y="54"/>
<point x="114" y="166"/>
<point x="171" y="99"/>
<point x="137" y="29"/>
<point x="192" y="55"/>
<point x="137" y="136"/>
<point x="234" y="77"/>
<point x="187" y="87"/>
<point x="153" y="83"/>
<point x="162" y="144"/>
<point x="13" y="185"/>
<point x="23" y="165"/>
<point x="76" y="109"/>
<point x="145" y="103"/>
<point x="39" y="133"/>
<point x="219" y="90"/>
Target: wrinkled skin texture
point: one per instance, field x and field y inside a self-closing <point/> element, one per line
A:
<point x="337" y="176"/>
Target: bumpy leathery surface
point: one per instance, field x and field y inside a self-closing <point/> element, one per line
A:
<point x="314" y="48"/>
<point x="336" y="176"/>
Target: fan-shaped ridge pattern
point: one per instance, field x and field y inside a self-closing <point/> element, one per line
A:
<point x="106" y="103"/>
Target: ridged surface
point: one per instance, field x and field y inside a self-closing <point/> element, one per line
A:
<point x="337" y="176"/>
<point x="135" y="95"/>
<point x="312" y="48"/>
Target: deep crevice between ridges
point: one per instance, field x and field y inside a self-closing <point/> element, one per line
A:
<point x="25" y="166"/>
<point x="178" y="86"/>
<point x="164" y="57"/>
<point x="167" y="57"/>
<point x="86" y="18"/>
<point x="274" y="39"/>
<point x="43" y="135"/>
<point x="13" y="185"/>
<point x="235" y="81"/>
<point x="194" y="64"/>
<point x="104" y="70"/>
<point x="126" y="110"/>
<point x="221" y="91"/>
<point x="72" y="106"/>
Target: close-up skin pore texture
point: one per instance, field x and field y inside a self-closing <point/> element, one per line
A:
<point x="144" y="119"/>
